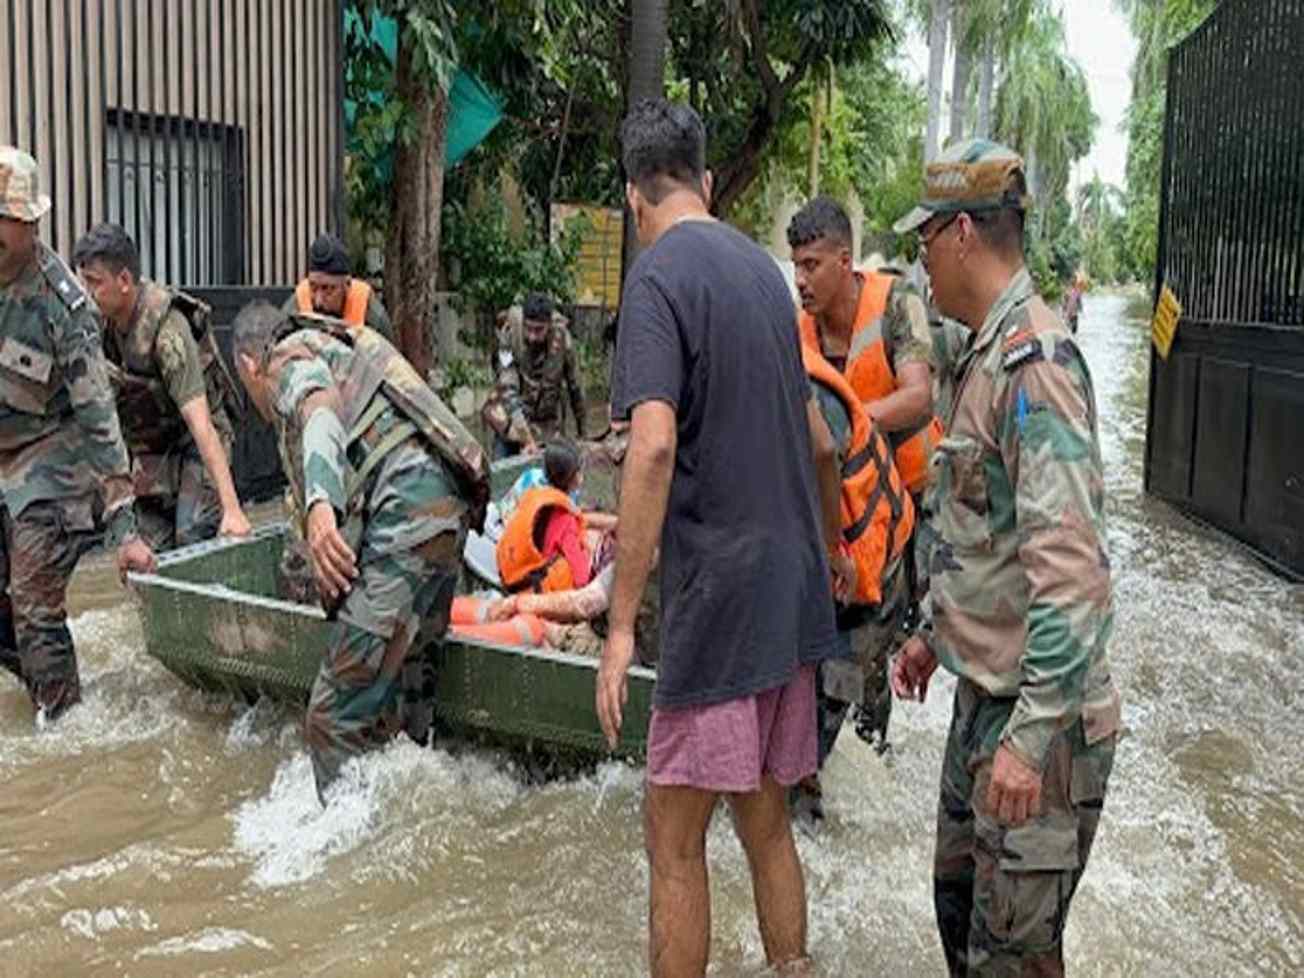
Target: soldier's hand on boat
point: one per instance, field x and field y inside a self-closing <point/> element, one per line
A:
<point x="613" y="683"/>
<point x="333" y="563"/>
<point x="912" y="668"/>
<point x="234" y="524"/>
<point x="1014" y="793"/>
<point x="134" y="555"/>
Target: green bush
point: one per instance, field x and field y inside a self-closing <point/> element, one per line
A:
<point x="497" y="269"/>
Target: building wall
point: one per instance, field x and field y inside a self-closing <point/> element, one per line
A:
<point x="211" y="129"/>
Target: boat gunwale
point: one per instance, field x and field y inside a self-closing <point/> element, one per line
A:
<point x="222" y="591"/>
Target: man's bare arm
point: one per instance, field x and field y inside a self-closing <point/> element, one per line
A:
<point x="645" y="488"/>
<point x="195" y="414"/>
<point x="910" y="404"/>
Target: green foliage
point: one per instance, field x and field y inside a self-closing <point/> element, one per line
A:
<point x="497" y="268"/>
<point x="1157" y="25"/>
<point x="595" y="369"/>
<point x="381" y="117"/>
<point x="871" y="142"/>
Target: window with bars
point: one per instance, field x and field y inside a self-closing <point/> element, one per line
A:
<point x="177" y="187"/>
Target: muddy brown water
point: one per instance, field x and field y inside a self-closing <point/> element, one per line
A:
<point x="159" y="832"/>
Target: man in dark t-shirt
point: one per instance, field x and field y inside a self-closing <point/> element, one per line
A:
<point x="719" y="471"/>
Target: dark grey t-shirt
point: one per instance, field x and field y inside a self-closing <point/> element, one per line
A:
<point x="708" y="326"/>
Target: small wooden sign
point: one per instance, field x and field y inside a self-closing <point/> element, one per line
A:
<point x="1168" y="312"/>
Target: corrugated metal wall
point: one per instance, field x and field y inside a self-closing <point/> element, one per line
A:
<point x="210" y="129"/>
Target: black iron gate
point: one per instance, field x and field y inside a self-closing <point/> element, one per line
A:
<point x="1226" y="417"/>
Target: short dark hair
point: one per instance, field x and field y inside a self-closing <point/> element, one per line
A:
<point x="561" y="463"/>
<point x="663" y="148"/>
<point x="1002" y="229"/>
<point x="255" y="328"/>
<point x="537" y="306"/>
<point x="109" y="244"/>
<point x="822" y="217"/>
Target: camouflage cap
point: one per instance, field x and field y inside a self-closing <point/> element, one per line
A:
<point x="974" y="175"/>
<point x="20" y="196"/>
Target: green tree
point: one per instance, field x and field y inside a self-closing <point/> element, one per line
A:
<point x="1043" y="110"/>
<point x="1157" y="26"/>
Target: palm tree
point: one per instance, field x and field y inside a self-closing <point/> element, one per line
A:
<point x="1096" y="203"/>
<point x="937" y="18"/>
<point x="1043" y="108"/>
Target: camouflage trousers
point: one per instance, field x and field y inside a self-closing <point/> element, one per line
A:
<point x="863" y="679"/>
<point x="43" y="545"/>
<point x="1002" y="894"/>
<point x="8" y="643"/>
<point x="176" y="500"/>
<point x="370" y="685"/>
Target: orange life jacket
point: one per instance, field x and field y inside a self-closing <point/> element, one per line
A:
<point x="870" y="373"/>
<point x="355" y="301"/>
<point x="878" y="516"/>
<point x="521" y="563"/>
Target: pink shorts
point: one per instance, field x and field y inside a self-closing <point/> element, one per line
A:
<point x="728" y="746"/>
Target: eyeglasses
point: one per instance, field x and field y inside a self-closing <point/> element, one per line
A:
<point x="926" y="241"/>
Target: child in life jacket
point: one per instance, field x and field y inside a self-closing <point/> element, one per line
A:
<point x="548" y="544"/>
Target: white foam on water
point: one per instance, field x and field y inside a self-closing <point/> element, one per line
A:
<point x="210" y="940"/>
<point x="257" y="726"/>
<point x="90" y="924"/>
<point x="290" y="838"/>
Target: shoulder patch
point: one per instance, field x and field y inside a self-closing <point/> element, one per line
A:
<point x="62" y="280"/>
<point x="1019" y="351"/>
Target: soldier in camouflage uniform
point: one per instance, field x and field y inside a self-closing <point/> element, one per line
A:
<point x="172" y="392"/>
<point x="389" y="481"/>
<point x="62" y="459"/>
<point x="536" y="359"/>
<point x="1020" y="607"/>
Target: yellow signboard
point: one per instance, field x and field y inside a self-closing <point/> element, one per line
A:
<point x="1168" y="311"/>
<point x="598" y="278"/>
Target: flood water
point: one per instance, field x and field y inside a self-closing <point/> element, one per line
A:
<point x="160" y="832"/>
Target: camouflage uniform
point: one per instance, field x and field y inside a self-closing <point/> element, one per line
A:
<point x="167" y="358"/>
<point x="527" y="397"/>
<point x="62" y="458"/>
<point x="405" y="480"/>
<point x="294" y="572"/>
<point x="1021" y="611"/>
<point x="8" y="644"/>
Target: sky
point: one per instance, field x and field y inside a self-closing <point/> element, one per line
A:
<point x="1102" y="43"/>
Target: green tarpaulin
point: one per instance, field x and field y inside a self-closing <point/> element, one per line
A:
<point x="473" y="111"/>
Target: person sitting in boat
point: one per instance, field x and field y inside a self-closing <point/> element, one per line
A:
<point x="388" y="482"/>
<point x="548" y="543"/>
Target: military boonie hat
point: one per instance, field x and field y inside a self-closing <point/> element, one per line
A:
<point x="20" y="196"/>
<point x="974" y="175"/>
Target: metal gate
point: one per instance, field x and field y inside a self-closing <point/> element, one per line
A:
<point x="1226" y="414"/>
